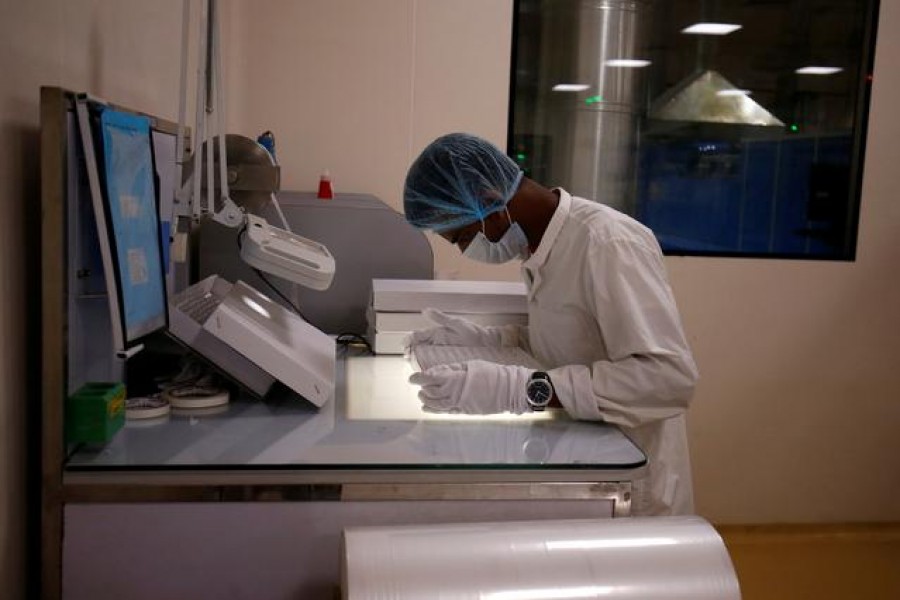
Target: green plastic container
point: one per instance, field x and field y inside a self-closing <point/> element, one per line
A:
<point x="95" y="412"/>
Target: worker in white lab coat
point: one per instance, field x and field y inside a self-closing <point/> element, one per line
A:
<point x="601" y="315"/>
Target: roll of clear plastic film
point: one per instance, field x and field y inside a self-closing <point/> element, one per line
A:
<point x="645" y="558"/>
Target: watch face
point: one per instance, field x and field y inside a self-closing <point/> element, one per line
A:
<point x="539" y="392"/>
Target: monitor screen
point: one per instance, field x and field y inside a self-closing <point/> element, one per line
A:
<point x="133" y="222"/>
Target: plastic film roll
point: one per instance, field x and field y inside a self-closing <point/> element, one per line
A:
<point x="638" y="558"/>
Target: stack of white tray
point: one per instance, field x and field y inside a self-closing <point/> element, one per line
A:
<point x="396" y="306"/>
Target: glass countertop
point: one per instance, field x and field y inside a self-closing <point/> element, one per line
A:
<point x="374" y="422"/>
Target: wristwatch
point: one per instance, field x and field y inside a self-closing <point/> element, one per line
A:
<point x="539" y="391"/>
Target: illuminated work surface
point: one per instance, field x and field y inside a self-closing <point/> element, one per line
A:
<point x="374" y="422"/>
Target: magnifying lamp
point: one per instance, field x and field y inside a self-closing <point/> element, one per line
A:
<point x="268" y="248"/>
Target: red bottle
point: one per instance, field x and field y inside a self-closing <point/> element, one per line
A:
<point x="326" y="192"/>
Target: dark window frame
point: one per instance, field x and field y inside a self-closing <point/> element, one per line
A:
<point x="858" y="148"/>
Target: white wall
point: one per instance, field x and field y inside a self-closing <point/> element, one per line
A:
<point x="128" y="51"/>
<point x="359" y="88"/>
<point x="795" y="416"/>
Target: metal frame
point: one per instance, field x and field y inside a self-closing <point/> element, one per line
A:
<point x="618" y="493"/>
<point x="861" y="124"/>
<point x="53" y="326"/>
<point x="306" y="485"/>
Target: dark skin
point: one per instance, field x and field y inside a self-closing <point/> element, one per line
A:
<point x="532" y="207"/>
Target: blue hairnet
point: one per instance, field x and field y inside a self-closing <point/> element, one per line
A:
<point x="457" y="180"/>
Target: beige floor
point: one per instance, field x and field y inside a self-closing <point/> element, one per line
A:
<point x="828" y="562"/>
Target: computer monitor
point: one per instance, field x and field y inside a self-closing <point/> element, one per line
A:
<point x="127" y="222"/>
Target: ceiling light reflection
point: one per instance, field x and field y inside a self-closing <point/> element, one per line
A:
<point x="711" y="28"/>
<point x="632" y="63"/>
<point x="570" y="87"/>
<point x="814" y="70"/>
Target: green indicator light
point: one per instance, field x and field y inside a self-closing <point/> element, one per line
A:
<point x="795" y="128"/>
<point x="593" y="99"/>
<point x="520" y="156"/>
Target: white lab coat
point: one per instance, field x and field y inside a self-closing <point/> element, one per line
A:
<point x="603" y="319"/>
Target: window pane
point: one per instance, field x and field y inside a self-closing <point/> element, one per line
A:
<point x="730" y="127"/>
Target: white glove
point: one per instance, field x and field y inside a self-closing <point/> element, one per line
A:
<point x="456" y="331"/>
<point x="475" y="387"/>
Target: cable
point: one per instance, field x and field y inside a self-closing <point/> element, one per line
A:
<point x="265" y="279"/>
<point x="240" y="236"/>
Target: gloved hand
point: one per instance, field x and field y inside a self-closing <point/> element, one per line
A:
<point x="474" y="387"/>
<point x="456" y="331"/>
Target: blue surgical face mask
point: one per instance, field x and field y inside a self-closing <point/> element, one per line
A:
<point x="513" y="244"/>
